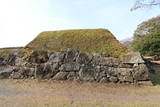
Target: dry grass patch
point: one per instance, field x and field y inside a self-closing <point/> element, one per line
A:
<point x="85" y="40"/>
<point x="75" y="94"/>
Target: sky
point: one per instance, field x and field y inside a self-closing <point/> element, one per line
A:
<point x="22" y="20"/>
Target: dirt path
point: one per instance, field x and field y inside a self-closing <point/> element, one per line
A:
<point x="32" y="93"/>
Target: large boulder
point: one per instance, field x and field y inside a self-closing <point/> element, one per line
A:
<point x="141" y="72"/>
<point x="132" y="58"/>
<point x="125" y="75"/>
<point x="87" y="73"/>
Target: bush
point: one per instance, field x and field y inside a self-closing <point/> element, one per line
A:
<point x="147" y="37"/>
<point x="148" y="44"/>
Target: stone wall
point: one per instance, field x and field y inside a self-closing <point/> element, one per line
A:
<point x="75" y="65"/>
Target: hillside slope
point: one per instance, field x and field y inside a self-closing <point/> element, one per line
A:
<point x="86" y="40"/>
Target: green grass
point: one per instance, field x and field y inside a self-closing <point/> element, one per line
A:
<point x="86" y="40"/>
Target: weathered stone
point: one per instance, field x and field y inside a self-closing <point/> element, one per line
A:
<point x="45" y="71"/>
<point x="100" y="75"/>
<point x="57" y="57"/>
<point x="71" y="55"/>
<point x="20" y="62"/>
<point x="55" y="67"/>
<point x="11" y="59"/>
<point x="61" y="76"/>
<point x="104" y="80"/>
<point x="38" y="57"/>
<point x="106" y="61"/>
<point x="69" y="67"/>
<point x="141" y="73"/>
<point x="87" y="73"/>
<point x="123" y="65"/>
<point x="132" y="58"/>
<point x="146" y="83"/>
<point x="5" y="73"/>
<point x="39" y="71"/>
<point x="125" y="75"/>
<point x="72" y="76"/>
<point x="112" y="71"/>
<point x="75" y="65"/>
<point x="83" y="58"/>
<point x="22" y="72"/>
<point x="2" y="61"/>
<point x="113" y="79"/>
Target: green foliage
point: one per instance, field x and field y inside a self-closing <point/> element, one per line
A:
<point x="148" y="43"/>
<point x="87" y="40"/>
<point x="148" y="26"/>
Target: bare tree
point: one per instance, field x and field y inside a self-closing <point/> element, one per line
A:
<point x="145" y="3"/>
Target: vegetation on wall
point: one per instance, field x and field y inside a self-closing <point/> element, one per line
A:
<point x="86" y="40"/>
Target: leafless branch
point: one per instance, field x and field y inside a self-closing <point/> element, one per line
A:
<point x="145" y="3"/>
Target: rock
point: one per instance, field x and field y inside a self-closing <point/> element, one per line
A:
<point x="72" y="76"/>
<point x="20" y="62"/>
<point x="100" y="75"/>
<point x="132" y="58"/>
<point x="123" y="65"/>
<point x="83" y="58"/>
<point x="113" y="79"/>
<point x="61" y="76"/>
<point x="39" y="71"/>
<point x="2" y="61"/>
<point x="11" y="59"/>
<point x="57" y="57"/>
<point x="141" y="73"/>
<point x="71" y="55"/>
<point x="146" y="83"/>
<point x="75" y="65"/>
<point x="104" y="80"/>
<point x="5" y="73"/>
<point x="125" y="75"/>
<point x="106" y="61"/>
<point x="38" y="57"/>
<point x="22" y="73"/>
<point x="112" y="71"/>
<point x="87" y="73"/>
<point x="45" y="71"/>
<point x="70" y="67"/>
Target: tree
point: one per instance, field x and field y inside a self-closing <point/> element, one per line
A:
<point x="147" y="37"/>
<point x="145" y="3"/>
<point x="148" y="45"/>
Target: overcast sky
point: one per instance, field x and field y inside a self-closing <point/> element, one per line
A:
<point x="22" y="20"/>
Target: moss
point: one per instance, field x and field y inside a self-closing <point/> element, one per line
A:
<point x="86" y="40"/>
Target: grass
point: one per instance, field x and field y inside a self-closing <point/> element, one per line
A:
<point x="86" y="40"/>
<point x="74" y="94"/>
<point x="5" y="52"/>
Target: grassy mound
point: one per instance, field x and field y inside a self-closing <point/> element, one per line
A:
<point x="5" y="52"/>
<point x="86" y="40"/>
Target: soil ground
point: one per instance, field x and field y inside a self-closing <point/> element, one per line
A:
<point x="47" y="93"/>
